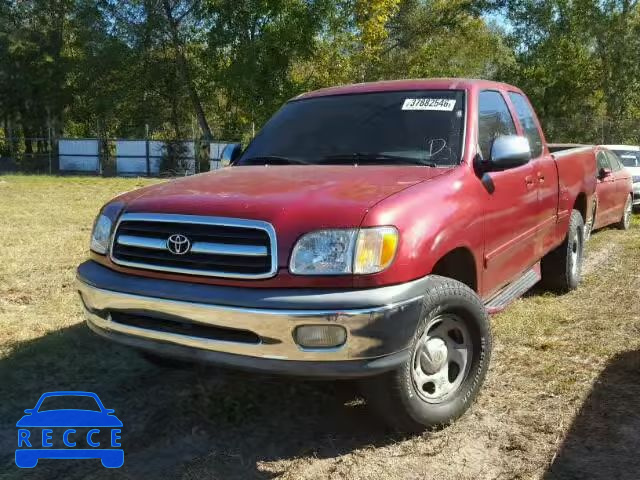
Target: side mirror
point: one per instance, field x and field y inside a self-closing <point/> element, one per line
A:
<point x="230" y="154"/>
<point x="509" y="151"/>
<point x="29" y="411"/>
<point x="604" y="173"/>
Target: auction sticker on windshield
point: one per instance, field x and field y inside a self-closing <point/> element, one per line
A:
<point x="440" y="104"/>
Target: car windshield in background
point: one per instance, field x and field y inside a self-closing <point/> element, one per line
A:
<point x="629" y="158"/>
<point x="381" y="128"/>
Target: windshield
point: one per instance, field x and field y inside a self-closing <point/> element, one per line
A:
<point x="414" y="127"/>
<point x="629" y="158"/>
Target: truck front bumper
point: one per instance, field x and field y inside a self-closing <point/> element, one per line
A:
<point x="253" y="328"/>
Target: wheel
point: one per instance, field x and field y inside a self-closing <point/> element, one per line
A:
<point x="625" y="221"/>
<point x="449" y="357"/>
<point x="562" y="267"/>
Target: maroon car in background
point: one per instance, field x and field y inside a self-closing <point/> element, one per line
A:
<point x="366" y="232"/>
<point x="614" y="191"/>
<point x="613" y="201"/>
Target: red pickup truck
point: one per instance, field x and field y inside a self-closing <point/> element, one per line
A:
<point x="366" y="232"/>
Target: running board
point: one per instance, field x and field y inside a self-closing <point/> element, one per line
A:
<point x="514" y="290"/>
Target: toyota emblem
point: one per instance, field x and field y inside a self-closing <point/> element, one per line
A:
<point x="178" y="244"/>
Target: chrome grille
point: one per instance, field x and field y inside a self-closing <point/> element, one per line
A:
<point x="218" y="246"/>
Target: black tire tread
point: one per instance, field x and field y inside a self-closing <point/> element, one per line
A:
<point x="555" y="265"/>
<point x="385" y="393"/>
<point x="620" y="225"/>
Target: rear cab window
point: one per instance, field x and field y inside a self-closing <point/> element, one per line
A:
<point x="494" y="120"/>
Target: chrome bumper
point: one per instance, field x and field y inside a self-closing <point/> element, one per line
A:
<point x="371" y="332"/>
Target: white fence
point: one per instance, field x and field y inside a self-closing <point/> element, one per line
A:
<point x="215" y="154"/>
<point x="133" y="157"/>
<point x="79" y="155"/>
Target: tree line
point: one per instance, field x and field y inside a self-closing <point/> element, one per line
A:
<point x="219" y="68"/>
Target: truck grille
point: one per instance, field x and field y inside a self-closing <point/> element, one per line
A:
<point x="196" y="245"/>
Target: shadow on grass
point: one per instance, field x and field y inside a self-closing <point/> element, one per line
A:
<point x="197" y="422"/>
<point x="604" y="440"/>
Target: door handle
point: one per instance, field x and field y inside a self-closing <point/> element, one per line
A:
<point x="540" y="177"/>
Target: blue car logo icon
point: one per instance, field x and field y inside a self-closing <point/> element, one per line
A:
<point x="69" y="433"/>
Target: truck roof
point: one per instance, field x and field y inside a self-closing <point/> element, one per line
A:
<point x="411" y="84"/>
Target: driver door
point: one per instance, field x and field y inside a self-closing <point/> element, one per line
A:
<point x="511" y="203"/>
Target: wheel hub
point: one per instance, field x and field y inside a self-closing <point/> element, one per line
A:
<point x="434" y="356"/>
<point x="442" y="358"/>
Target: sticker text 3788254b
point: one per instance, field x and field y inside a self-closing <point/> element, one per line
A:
<point x="438" y="104"/>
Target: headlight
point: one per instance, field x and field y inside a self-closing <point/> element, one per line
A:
<point x="342" y="252"/>
<point x="325" y="252"/>
<point x="101" y="234"/>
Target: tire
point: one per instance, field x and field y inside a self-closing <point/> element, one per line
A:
<point x="562" y="267"/>
<point x="401" y="398"/>
<point x="625" y="221"/>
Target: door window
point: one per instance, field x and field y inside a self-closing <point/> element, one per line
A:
<point x="603" y="161"/>
<point x="494" y="120"/>
<point x="528" y="122"/>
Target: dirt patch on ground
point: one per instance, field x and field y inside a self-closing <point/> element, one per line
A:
<point x="599" y="256"/>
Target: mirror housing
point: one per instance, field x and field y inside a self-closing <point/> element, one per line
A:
<point x="604" y="173"/>
<point x="29" y="411"/>
<point x="509" y="151"/>
<point x="230" y="154"/>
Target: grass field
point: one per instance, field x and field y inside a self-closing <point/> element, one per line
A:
<point x="562" y="399"/>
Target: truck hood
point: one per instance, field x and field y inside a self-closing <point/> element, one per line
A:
<point x="294" y="199"/>
<point x="319" y="196"/>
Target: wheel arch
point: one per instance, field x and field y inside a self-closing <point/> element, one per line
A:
<point x="458" y="264"/>
<point x="580" y="205"/>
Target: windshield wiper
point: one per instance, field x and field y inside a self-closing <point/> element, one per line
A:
<point x="271" y="160"/>
<point x="373" y="158"/>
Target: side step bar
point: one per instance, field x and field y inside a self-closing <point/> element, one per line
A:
<point x="514" y="290"/>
